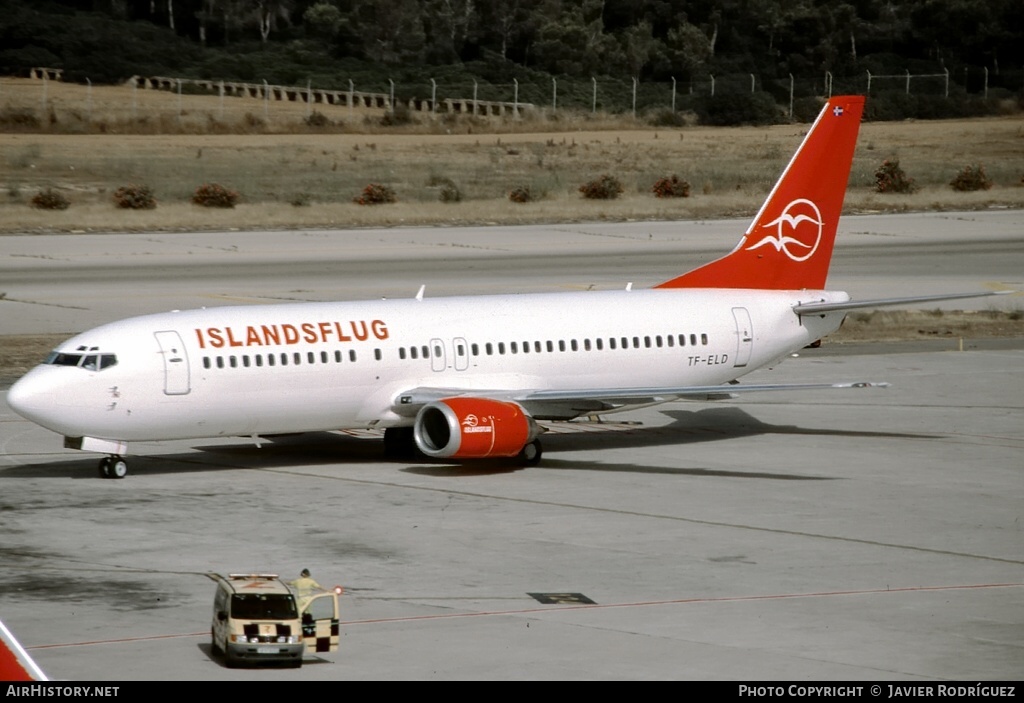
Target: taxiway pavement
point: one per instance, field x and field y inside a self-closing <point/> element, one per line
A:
<point x="867" y="535"/>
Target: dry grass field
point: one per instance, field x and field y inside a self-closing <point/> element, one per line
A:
<point x="90" y="141"/>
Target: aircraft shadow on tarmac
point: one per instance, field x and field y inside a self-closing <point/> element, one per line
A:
<point x="322" y="448"/>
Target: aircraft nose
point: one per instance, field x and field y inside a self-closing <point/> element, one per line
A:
<point x="29" y="397"/>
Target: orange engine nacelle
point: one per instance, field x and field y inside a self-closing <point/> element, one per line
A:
<point x="473" y="428"/>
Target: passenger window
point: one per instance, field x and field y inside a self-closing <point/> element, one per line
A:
<point x="323" y="357"/>
<point x="561" y="345"/>
<point x="220" y="362"/>
<point x="206" y="362"/>
<point x="337" y="356"/>
<point x="501" y="347"/>
<point x="693" y="340"/>
<point x="233" y="361"/>
<point x="270" y="359"/>
<point x="245" y="360"/>
<point x="401" y="352"/>
<point x="704" y="339"/>
<point x="551" y="347"/>
<point x="377" y="354"/>
<point x="488" y="348"/>
<point x="311" y="357"/>
<point x="351" y="354"/>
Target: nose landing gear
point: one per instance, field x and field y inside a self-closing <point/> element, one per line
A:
<point x="113" y="467"/>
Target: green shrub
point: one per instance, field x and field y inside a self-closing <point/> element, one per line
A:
<point x="671" y="187"/>
<point x="376" y="194"/>
<point x="971" y="178"/>
<point x="50" y="199"/>
<point x="521" y="194"/>
<point x="666" y="118"/>
<point x="890" y="178"/>
<point x="135" y="197"/>
<point x="603" y="188"/>
<point x="215" y="195"/>
<point x="317" y="119"/>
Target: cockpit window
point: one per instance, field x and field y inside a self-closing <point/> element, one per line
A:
<point x="91" y="362"/>
<point x="61" y="359"/>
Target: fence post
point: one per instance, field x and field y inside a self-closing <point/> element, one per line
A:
<point x="392" y="97"/>
<point x="433" y="96"/>
<point x="593" y="107"/>
<point x="986" y="83"/>
<point x="634" y="97"/>
<point x="476" y="105"/>
<point x="869" y="83"/>
<point x="673" y="94"/>
<point x="515" y="104"/>
<point x="266" y="100"/>
<point x="752" y="84"/>
<point x="351" y="96"/>
<point x="88" y="99"/>
<point x="554" y="94"/>
<point x="790" y="96"/>
<point x="135" y="88"/>
<point x="828" y="83"/>
<point x="908" y="81"/>
<point x="179" y="101"/>
<point x="309" y="96"/>
<point x="712" y="86"/>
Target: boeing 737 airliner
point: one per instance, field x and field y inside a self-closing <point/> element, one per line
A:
<point x="468" y="377"/>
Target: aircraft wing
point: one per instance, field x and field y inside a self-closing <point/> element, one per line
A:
<point x="570" y="403"/>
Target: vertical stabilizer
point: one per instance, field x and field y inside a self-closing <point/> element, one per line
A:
<point x="789" y="244"/>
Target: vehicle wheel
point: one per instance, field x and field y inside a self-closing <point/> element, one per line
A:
<point x="118" y="467"/>
<point x="530" y="454"/>
<point x="104" y="467"/>
<point x="214" y="647"/>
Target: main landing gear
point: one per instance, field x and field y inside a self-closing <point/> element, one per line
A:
<point x="113" y="467"/>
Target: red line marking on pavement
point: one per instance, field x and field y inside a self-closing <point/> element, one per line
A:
<point x="595" y="606"/>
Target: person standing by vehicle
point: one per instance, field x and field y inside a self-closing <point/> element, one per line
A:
<point x="305" y="588"/>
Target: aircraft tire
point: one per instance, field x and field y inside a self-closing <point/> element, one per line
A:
<point x="118" y="467"/>
<point x="104" y="467"/>
<point x="530" y="454"/>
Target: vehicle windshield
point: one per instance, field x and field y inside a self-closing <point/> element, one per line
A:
<point x="263" y="606"/>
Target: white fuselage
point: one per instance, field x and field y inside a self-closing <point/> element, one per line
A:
<point x="323" y="366"/>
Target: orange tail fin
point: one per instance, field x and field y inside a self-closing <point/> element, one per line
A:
<point x="788" y="246"/>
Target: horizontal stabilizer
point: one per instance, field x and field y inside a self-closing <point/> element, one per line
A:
<point x="821" y="308"/>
